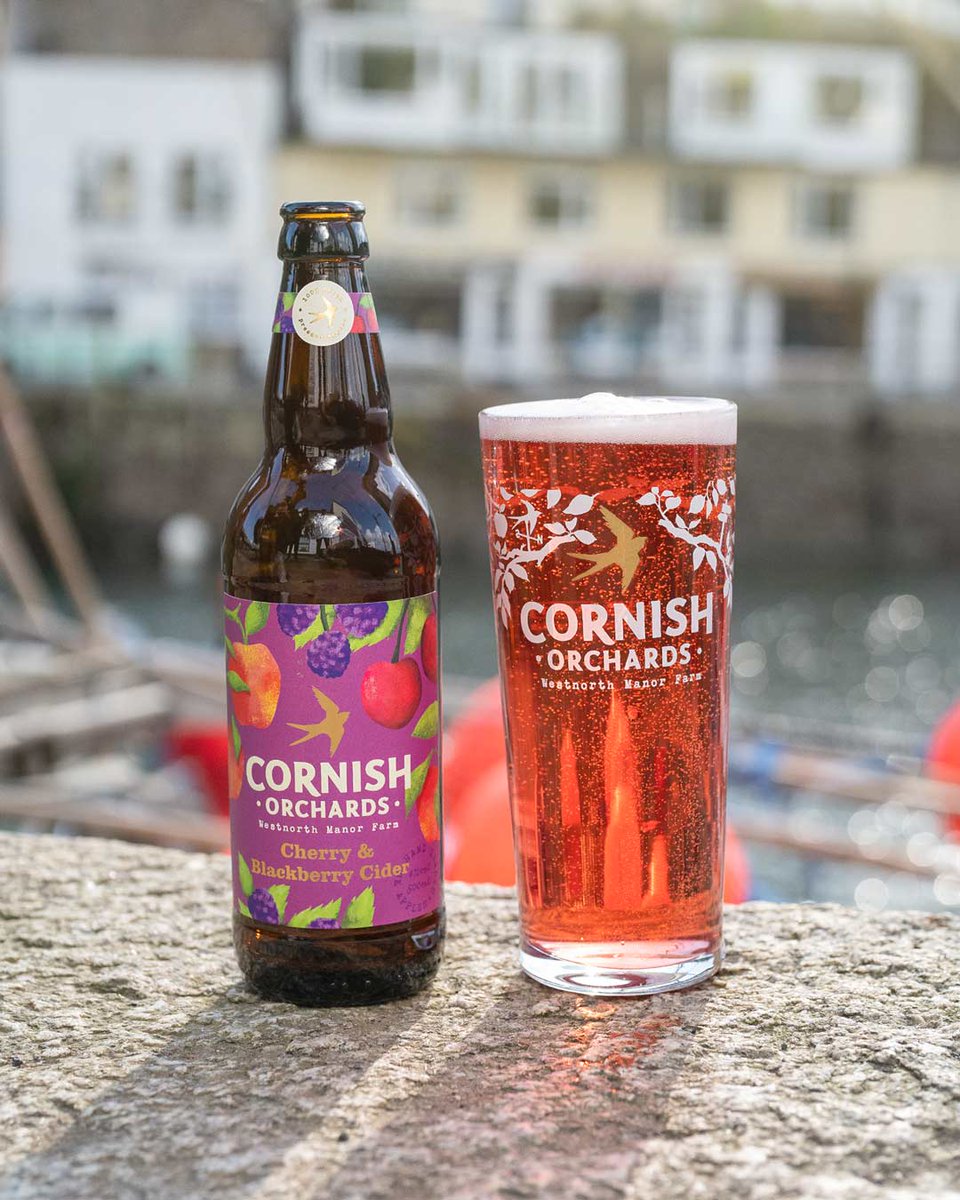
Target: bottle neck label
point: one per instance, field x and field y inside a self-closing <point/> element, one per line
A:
<point x="334" y="762"/>
<point x="323" y="313"/>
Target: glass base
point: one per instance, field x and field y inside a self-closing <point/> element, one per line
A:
<point x="596" y="971"/>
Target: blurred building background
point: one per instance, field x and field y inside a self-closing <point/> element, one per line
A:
<point x="557" y="191"/>
<point x="760" y="199"/>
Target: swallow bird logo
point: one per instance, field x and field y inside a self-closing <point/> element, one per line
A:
<point x="625" y="553"/>
<point x="333" y="724"/>
<point x="327" y="313"/>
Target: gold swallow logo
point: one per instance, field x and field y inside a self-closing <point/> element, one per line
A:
<point x="624" y="553"/>
<point x="333" y="723"/>
<point x="327" y="313"/>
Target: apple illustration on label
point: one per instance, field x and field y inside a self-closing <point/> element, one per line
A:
<point x="254" y="679"/>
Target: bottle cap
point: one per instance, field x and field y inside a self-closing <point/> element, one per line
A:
<point x="323" y="229"/>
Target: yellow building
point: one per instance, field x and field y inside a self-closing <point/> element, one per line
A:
<point x="523" y="269"/>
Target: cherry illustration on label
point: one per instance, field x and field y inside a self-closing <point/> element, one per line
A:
<point x="391" y="692"/>
<point x="429" y="648"/>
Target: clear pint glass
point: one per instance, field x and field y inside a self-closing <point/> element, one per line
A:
<point x="611" y="538"/>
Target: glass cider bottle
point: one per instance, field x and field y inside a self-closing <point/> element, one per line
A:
<point x="330" y="576"/>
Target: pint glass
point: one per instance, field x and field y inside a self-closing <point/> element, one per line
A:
<point x="611" y="538"/>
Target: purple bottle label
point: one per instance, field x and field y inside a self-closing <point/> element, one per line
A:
<point x="334" y="761"/>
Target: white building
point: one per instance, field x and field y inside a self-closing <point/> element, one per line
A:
<point x="818" y="107"/>
<point x="381" y="80"/>
<point x="136" y="209"/>
<point x="913" y="343"/>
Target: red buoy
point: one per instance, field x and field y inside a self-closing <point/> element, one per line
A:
<point x="943" y="757"/>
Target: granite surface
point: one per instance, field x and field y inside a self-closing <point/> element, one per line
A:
<point x="823" y="1062"/>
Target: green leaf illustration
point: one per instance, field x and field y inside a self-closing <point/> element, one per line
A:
<point x="257" y="616"/>
<point x="429" y="722"/>
<point x="229" y="646"/>
<point x="246" y="878"/>
<point x="235" y="683"/>
<point x="359" y="911"/>
<point x="233" y="614"/>
<point x="412" y="793"/>
<point x="243" y="910"/>
<point x="235" y="739"/>
<point x="420" y="609"/>
<point x="386" y="627"/>
<point x="280" y="892"/>
<point x="324" y="912"/>
<point x="366" y="300"/>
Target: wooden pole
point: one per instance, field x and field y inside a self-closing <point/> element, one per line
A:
<point x="18" y="565"/>
<point x="49" y="510"/>
<point x="843" y="778"/>
<point x="123" y="818"/>
<point x="761" y="834"/>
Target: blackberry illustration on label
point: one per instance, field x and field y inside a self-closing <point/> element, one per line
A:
<point x="334" y="761"/>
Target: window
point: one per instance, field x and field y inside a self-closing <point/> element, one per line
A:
<point x="201" y="190"/>
<point x="561" y="202"/>
<point x="508" y="12"/>
<point x="731" y="95"/>
<point x="572" y="93"/>
<point x="213" y="310"/>
<point x="527" y="93"/>
<point x="699" y="205"/>
<point x="471" y="78"/>
<point x="106" y="189"/>
<point x="387" y="69"/>
<point x="430" y="195"/>
<point x="831" y="318"/>
<point x="825" y="211"/>
<point x="907" y="331"/>
<point x="687" y="311"/>
<point x="839" y="99"/>
<point x="389" y="6"/>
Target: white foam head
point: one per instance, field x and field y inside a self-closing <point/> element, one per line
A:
<point x="602" y="417"/>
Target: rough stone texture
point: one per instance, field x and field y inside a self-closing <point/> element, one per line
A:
<point x="823" y="1062"/>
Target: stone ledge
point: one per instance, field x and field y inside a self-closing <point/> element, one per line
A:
<point x="823" y="1062"/>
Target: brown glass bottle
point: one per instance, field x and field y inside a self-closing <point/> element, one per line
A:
<point x="331" y="517"/>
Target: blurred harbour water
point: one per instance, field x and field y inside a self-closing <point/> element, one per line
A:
<point x="873" y="648"/>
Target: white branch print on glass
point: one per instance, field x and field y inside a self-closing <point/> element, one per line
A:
<point x="528" y="528"/>
<point x="707" y="526"/>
